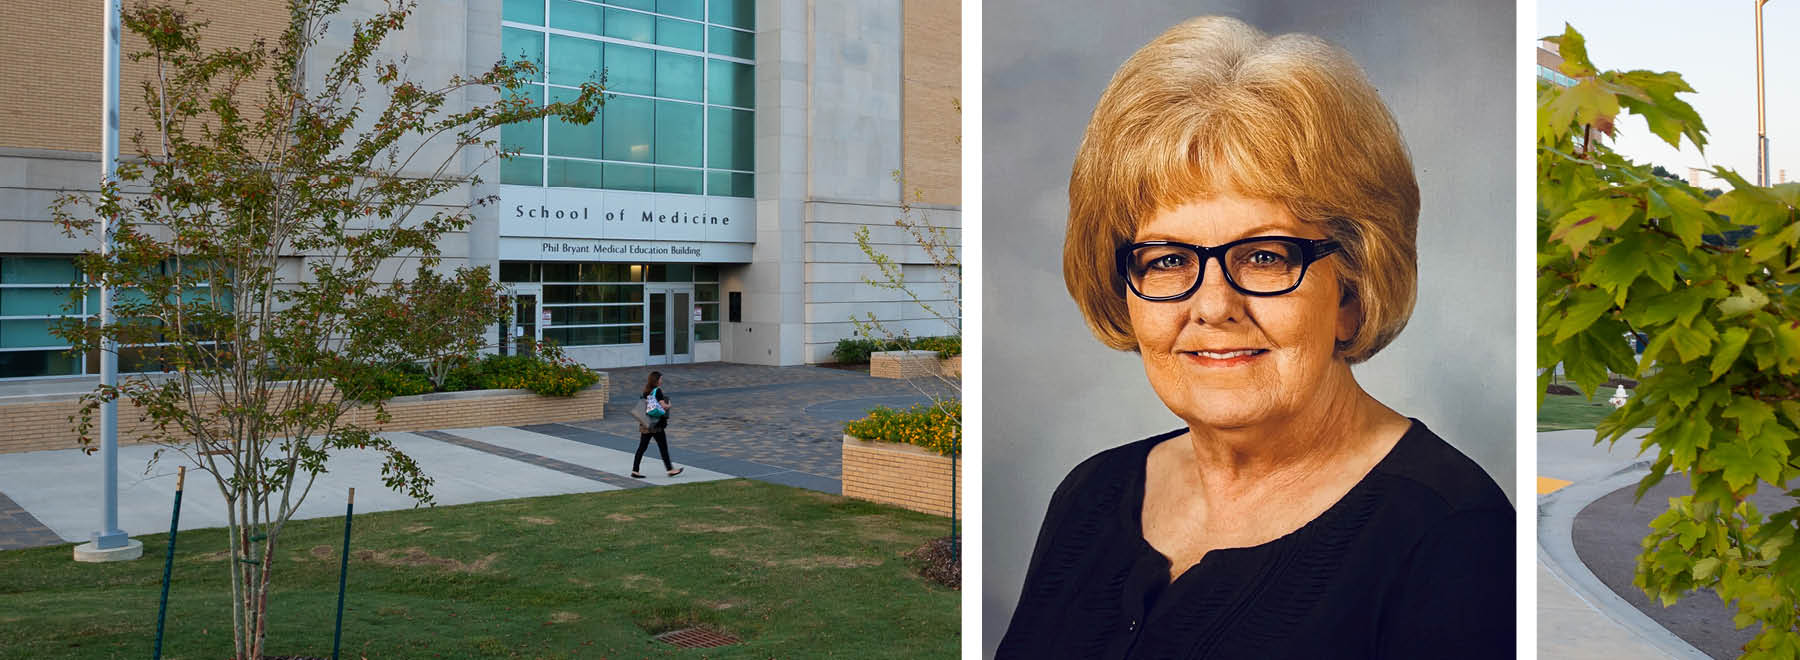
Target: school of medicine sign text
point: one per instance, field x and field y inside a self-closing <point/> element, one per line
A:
<point x="613" y="225"/>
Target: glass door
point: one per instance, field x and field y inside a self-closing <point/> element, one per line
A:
<point x="524" y="329"/>
<point x="669" y="336"/>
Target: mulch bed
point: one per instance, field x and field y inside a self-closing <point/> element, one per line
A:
<point x="938" y="561"/>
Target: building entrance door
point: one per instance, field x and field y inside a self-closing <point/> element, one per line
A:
<point x="671" y="319"/>
<point x="525" y="322"/>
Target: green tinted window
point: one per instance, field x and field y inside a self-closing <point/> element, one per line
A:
<point x="627" y="128"/>
<point x="527" y="136"/>
<point x="730" y="83"/>
<point x="680" y="34"/>
<point x="516" y="44"/>
<point x="560" y="272"/>
<point x="736" y="13"/>
<point x="517" y="271"/>
<point x="706" y="273"/>
<point x="730" y="139"/>
<point x="575" y="16"/>
<point x="677" y="133"/>
<point x="628" y="177"/>
<point x="646" y="5"/>
<point x="678" y="76"/>
<point x="630" y="25"/>
<point x="605" y="273"/>
<point x="34" y="302"/>
<point x="569" y="139"/>
<point x="705" y="292"/>
<point x="675" y="180"/>
<point x="37" y="270"/>
<point x="21" y="364"/>
<point x="683" y="8"/>
<point x="522" y="171"/>
<point x="574" y="60"/>
<point x="630" y="70"/>
<point x="732" y="42"/>
<point x="523" y="11"/>
<point x="573" y="174"/>
<point x="729" y="184"/>
<point x="23" y="333"/>
<point x="706" y="332"/>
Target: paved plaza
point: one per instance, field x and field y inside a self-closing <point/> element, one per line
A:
<point x="777" y="424"/>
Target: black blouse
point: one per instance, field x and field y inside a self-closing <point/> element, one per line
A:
<point x="1416" y="561"/>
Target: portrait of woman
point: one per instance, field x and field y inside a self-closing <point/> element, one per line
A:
<point x="1242" y="219"/>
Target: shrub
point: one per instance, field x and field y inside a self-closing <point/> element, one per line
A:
<point x="856" y="351"/>
<point x="551" y="373"/>
<point x="924" y="425"/>
<point x="853" y="351"/>
<point x="380" y="382"/>
<point x="946" y="347"/>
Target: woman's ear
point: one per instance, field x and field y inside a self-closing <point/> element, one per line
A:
<point x="1349" y="319"/>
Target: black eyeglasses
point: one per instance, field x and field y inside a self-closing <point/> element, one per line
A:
<point x="1255" y="266"/>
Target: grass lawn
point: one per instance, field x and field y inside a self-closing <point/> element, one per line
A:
<point x="1563" y="411"/>
<point x="794" y="573"/>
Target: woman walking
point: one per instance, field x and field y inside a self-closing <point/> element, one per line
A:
<point x="656" y="413"/>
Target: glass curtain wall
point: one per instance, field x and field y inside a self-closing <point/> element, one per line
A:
<point x="35" y="295"/>
<point x="680" y="103"/>
<point x="602" y="304"/>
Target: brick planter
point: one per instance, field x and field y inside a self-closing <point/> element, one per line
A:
<point x="913" y="364"/>
<point x="34" y="423"/>
<point x="902" y="475"/>
<point x="902" y="364"/>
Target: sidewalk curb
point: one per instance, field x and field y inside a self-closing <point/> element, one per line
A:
<point x="1556" y="551"/>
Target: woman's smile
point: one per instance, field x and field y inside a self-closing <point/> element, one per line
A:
<point x="1225" y="358"/>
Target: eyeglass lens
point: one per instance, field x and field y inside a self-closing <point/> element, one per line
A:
<point x="1259" y="267"/>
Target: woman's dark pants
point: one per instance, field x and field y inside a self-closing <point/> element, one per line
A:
<point x="662" y="443"/>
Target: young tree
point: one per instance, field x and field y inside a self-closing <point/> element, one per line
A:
<point x="437" y="320"/>
<point x="260" y="216"/>
<point x="942" y="247"/>
<point x="1622" y="250"/>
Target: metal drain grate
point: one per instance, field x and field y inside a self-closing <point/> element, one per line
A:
<point x="697" y="638"/>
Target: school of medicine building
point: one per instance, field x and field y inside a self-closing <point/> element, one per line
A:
<point x="708" y="213"/>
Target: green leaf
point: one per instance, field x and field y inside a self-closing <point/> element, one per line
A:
<point x="1580" y="226"/>
<point x="1616" y="266"/>
<point x="1747" y="300"/>
<point x="1765" y="248"/>
<point x="1750" y="414"/>
<point x="1787" y="344"/>
<point x="1731" y="343"/>
<point x="1690" y="343"/>
<point x="1583" y="308"/>
<point x="1658" y="470"/>
<point x="1687" y="219"/>
<point x="1704" y="569"/>
<point x="1573" y="48"/>
<point x="1747" y="205"/>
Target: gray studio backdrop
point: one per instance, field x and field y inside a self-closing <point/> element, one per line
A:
<point x="1054" y="395"/>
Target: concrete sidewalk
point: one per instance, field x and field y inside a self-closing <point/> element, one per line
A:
<point x="782" y="425"/>
<point x="1579" y="618"/>
<point x="51" y="496"/>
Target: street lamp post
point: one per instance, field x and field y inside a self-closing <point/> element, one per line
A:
<point x="109" y="543"/>
<point x="1762" y="134"/>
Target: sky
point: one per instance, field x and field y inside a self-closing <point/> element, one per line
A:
<point x="1712" y="44"/>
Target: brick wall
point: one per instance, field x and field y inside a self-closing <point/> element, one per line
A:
<point x="931" y="80"/>
<point x="44" y="424"/>
<point x="902" y="475"/>
<point x="51" y="69"/>
<point x="911" y="364"/>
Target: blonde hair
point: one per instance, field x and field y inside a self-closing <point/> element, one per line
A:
<point x="1215" y="106"/>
